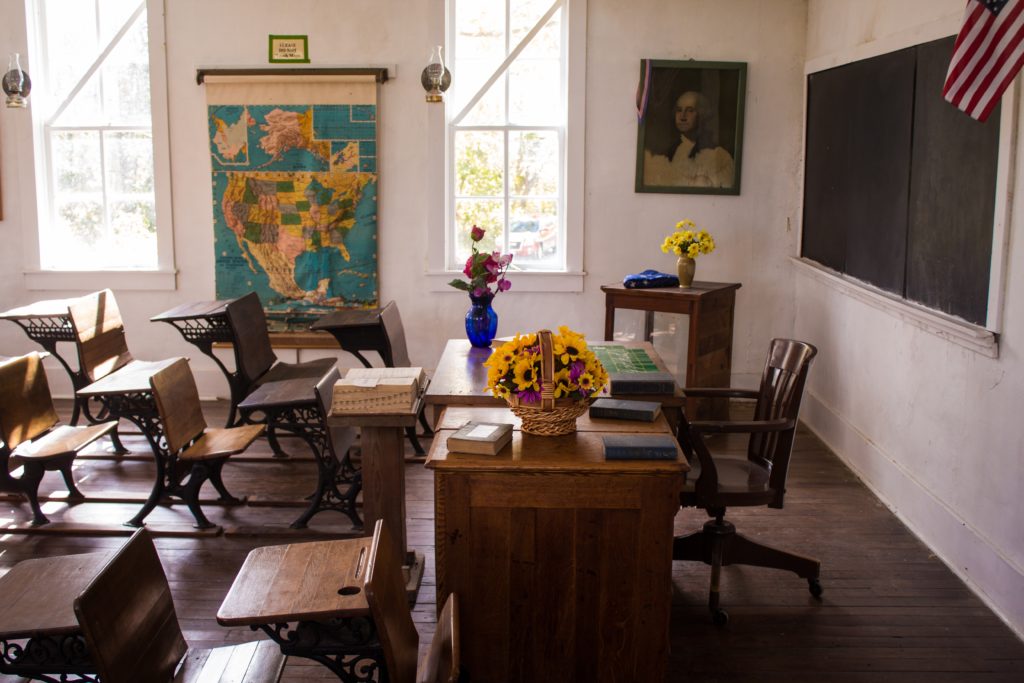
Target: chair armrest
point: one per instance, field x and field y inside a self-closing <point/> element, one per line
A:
<point x="715" y="392"/>
<point x="740" y="426"/>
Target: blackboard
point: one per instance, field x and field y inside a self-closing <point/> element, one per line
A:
<point x="899" y="186"/>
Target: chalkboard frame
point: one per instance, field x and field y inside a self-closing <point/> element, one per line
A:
<point x="969" y="293"/>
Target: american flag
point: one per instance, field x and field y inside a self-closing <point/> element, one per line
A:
<point x="987" y="55"/>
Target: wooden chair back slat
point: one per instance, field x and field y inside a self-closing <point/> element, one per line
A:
<point x="781" y="390"/>
<point x="26" y="408"/>
<point x="442" y="661"/>
<point x="389" y="606"/>
<point x="128" y="618"/>
<point x="177" y="401"/>
<point x="250" y="337"/>
<point x="398" y="352"/>
<point x="99" y="334"/>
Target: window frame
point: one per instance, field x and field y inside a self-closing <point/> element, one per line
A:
<point x="569" y="277"/>
<point x="163" y="276"/>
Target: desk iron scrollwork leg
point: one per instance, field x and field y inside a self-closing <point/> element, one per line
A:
<point x="349" y="647"/>
<point x="55" y="659"/>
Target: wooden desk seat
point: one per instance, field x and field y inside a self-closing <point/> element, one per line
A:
<point x="31" y="436"/>
<point x="132" y="631"/>
<point x="256" y="365"/>
<point x="102" y="350"/>
<point x="389" y="606"/>
<point x="189" y="440"/>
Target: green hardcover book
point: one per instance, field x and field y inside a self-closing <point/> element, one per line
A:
<point x="640" y="447"/>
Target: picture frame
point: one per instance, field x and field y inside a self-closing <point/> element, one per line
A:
<point x="288" y="49"/>
<point x="690" y="126"/>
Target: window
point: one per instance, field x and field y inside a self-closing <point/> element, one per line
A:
<point x="96" y="184"/>
<point x="512" y="160"/>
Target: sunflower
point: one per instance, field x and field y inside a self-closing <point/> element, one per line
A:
<point x="526" y="373"/>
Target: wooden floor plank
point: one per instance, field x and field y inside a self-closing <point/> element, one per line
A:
<point x="891" y="611"/>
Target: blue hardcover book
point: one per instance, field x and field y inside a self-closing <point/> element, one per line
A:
<point x="642" y="383"/>
<point x="640" y="447"/>
<point x="622" y="409"/>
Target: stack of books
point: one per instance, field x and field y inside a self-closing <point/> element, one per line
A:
<point x="377" y="390"/>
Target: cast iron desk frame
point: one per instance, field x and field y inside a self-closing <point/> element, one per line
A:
<point x="130" y="397"/>
<point x="291" y="406"/>
<point x="710" y="307"/>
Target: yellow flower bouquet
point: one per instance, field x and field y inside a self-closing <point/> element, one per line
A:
<point x="547" y="379"/>
<point x="688" y="241"/>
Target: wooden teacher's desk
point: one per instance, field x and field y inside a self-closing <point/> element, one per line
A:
<point x="710" y="306"/>
<point x="562" y="560"/>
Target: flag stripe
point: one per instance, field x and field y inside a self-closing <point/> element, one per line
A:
<point x="987" y="54"/>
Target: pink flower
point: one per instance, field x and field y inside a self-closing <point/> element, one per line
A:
<point x="504" y="285"/>
<point x="476" y="234"/>
<point x="468" y="270"/>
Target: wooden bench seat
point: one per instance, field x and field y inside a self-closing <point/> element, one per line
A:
<point x="132" y="631"/>
<point x="30" y="434"/>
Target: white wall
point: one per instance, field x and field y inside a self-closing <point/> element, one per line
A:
<point x="933" y="428"/>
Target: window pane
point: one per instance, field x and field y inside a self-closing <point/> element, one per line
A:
<point x="489" y="109"/>
<point x="486" y="214"/>
<point x="76" y="161"/>
<point x="533" y="235"/>
<point x="547" y="44"/>
<point x="129" y="162"/>
<point x="479" y="164"/>
<point x="125" y="75"/>
<point x="533" y="163"/>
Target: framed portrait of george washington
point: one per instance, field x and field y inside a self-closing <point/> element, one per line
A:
<point x="690" y="126"/>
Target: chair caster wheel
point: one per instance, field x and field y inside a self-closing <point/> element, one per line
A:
<point x="720" y="617"/>
<point x="814" y="586"/>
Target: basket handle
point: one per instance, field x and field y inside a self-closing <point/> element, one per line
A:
<point x="547" y="370"/>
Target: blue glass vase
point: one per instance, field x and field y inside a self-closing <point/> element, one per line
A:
<point x="481" y="321"/>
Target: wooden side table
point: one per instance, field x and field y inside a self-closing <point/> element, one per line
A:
<point x="710" y="306"/>
<point x="562" y="560"/>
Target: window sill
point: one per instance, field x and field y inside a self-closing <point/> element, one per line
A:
<point x="141" y="280"/>
<point x="954" y="330"/>
<point x="437" y="281"/>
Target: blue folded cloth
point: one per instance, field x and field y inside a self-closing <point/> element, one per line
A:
<point x="650" y="278"/>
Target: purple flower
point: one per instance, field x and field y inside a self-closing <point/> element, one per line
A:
<point x="480" y="291"/>
<point x="504" y="285"/>
<point x="576" y="369"/>
<point x="529" y="396"/>
<point x="476" y="234"/>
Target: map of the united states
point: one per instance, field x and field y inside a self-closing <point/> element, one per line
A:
<point x="295" y="214"/>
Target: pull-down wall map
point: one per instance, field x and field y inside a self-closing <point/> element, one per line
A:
<point x="294" y="162"/>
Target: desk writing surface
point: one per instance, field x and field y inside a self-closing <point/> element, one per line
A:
<point x="51" y="308"/>
<point x="454" y="417"/>
<point x="299" y="582"/>
<point x="130" y="379"/>
<point x="195" y="309"/>
<point x="37" y="596"/>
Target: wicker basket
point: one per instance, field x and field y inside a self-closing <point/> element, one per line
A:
<point x="550" y="417"/>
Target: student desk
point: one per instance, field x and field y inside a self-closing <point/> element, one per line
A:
<point x="562" y="560"/>
<point x="37" y="603"/>
<point x="710" y="307"/>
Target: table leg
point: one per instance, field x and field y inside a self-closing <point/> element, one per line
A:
<point x="384" y="481"/>
<point x="609" y="317"/>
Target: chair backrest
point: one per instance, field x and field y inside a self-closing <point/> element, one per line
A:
<point x="389" y="606"/>
<point x="782" y="388"/>
<point x="177" y="401"/>
<point x="250" y="337"/>
<point x="26" y="408"/>
<point x="341" y="438"/>
<point x="128" y="617"/>
<point x="99" y="334"/>
<point x="397" y="355"/>
<point x="442" y="661"/>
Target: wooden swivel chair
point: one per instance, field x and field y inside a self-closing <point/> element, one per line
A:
<point x="30" y="434"/>
<point x="720" y="481"/>
<point x="193" y="448"/>
<point x="389" y="606"/>
<point x="379" y="330"/>
<point x="255" y="361"/>
<point x="132" y="631"/>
